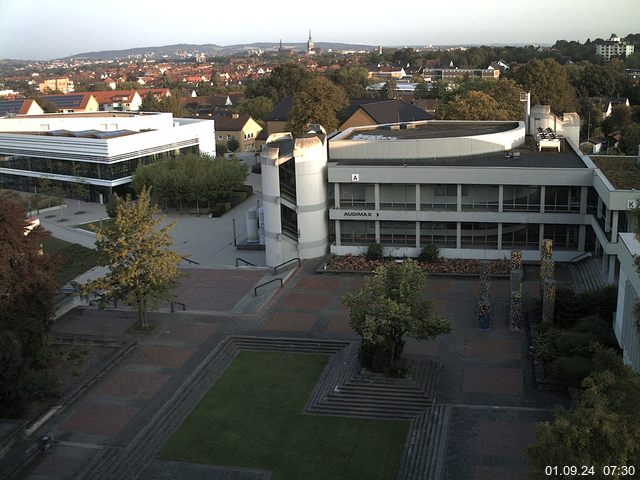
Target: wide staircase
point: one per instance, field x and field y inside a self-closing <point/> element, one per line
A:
<point x="587" y="275"/>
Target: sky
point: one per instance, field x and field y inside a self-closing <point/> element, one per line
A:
<point x="45" y="29"/>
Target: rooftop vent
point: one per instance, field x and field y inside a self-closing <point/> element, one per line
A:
<point x="394" y="127"/>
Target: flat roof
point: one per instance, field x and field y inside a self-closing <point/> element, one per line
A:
<point x="526" y="159"/>
<point x="622" y="172"/>
<point x="430" y="129"/>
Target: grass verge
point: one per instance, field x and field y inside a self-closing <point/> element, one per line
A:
<point x="253" y="418"/>
<point x="76" y="259"/>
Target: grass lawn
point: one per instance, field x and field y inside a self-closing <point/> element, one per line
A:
<point x="253" y="418"/>
<point x="91" y="226"/>
<point x="76" y="258"/>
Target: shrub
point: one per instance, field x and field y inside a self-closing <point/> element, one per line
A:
<point x="571" y="370"/>
<point x="574" y="343"/>
<point x="429" y="254"/>
<point x="256" y="168"/>
<point x="374" y="252"/>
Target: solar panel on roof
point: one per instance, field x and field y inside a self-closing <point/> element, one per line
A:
<point x="10" y="106"/>
<point x="66" y="101"/>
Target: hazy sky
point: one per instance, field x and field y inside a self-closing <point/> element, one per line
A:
<point x="45" y="29"/>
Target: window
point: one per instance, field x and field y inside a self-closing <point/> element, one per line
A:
<point x="357" y="233"/>
<point x="480" y="197"/>
<point x="398" y="234"/>
<point x="564" y="237"/>
<point x="520" y="236"/>
<point x="220" y="137"/>
<point x="480" y="235"/>
<point x="439" y="197"/>
<point x="440" y="234"/>
<point x="398" y="196"/>
<point x="357" y="195"/>
<point x="562" y="199"/>
<point x="228" y="137"/>
<point x="518" y="198"/>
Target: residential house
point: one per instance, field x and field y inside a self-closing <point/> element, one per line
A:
<point x="241" y="127"/>
<point x="364" y="112"/>
<point x="614" y="47"/>
<point x="22" y="106"/>
<point x="74" y="102"/>
<point x="119" y="100"/>
<point x="388" y="72"/>
<point x="64" y="85"/>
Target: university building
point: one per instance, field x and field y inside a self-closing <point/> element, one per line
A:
<point x="475" y="189"/>
<point x="101" y="150"/>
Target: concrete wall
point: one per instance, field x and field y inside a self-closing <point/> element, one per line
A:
<point x="624" y="324"/>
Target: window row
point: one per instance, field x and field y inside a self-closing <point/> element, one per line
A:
<point x="472" y="235"/>
<point x="515" y="198"/>
<point x="75" y="168"/>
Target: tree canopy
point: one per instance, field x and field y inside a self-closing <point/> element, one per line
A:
<point x="549" y="84"/>
<point x="27" y="289"/>
<point x="143" y="270"/>
<point x="284" y="81"/>
<point x="318" y="101"/>
<point x="389" y="306"/>
<point x="602" y="429"/>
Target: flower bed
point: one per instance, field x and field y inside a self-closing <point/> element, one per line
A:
<point x="453" y="266"/>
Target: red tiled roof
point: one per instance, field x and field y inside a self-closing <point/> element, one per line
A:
<point x="109" y="96"/>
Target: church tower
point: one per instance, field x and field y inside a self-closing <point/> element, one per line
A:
<point x="310" y="44"/>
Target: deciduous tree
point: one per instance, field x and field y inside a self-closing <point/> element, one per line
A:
<point x="143" y="270"/>
<point x="549" y="84"/>
<point x="27" y="289"/>
<point x="602" y="429"/>
<point x="318" y="102"/>
<point x="389" y="306"/>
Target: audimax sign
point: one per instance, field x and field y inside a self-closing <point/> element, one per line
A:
<point x="359" y="214"/>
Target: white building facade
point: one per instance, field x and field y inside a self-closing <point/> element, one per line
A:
<point x="101" y="150"/>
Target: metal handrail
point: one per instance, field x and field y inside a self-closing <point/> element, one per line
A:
<point x="173" y="310"/>
<point x="275" y="269"/>
<point x="190" y="261"/>
<point x="238" y="259"/>
<point x="255" y="290"/>
<point x="580" y="257"/>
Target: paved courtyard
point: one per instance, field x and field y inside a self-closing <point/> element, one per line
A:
<point x="486" y="380"/>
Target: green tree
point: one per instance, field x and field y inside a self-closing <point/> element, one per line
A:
<point x="319" y="101"/>
<point x="27" y="290"/>
<point x="473" y="105"/>
<point x="143" y="270"/>
<point x="389" y="306"/>
<point x="258" y="108"/>
<point x="422" y="91"/>
<point x="549" y="84"/>
<point x="619" y="119"/>
<point x="233" y="144"/>
<point x="354" y="80"/>
<point x="602" y="429"/>
<point x="389" y="90"/>
<point x="284" y="81"/>
<point x="630" y="139"/>
<point x="150" y="103"/>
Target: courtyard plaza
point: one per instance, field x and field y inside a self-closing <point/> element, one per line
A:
<point x="486" y="386"/>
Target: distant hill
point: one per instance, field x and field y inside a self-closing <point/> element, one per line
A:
<point x="173" y="51"/>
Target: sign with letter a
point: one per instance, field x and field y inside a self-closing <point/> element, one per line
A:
<point x="355" y="177"/>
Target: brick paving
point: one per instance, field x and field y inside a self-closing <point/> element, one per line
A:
<point x="486" y="379"/>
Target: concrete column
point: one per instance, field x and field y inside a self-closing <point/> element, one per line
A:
<point x="336" y="195"/>
<point x="500" y="200"/>
<point x="459" y="199"/>
<point x="542" y="195"/>
<point x="458" y="229"/>
<point x="376" y="194"/>
<point x="337" y="231"/>
<point x="541" y="236"/>
<point x="417" y="197"/>
<point x="500" y="224"/>
<point x="582" y="234"/>
<point x="599" y="212"/>
<point x="607" y="221"/>
<point x="605" y="259"/>
<point x="614" y="226"/>
<point x="583" y="200"/>
<point x="612" y="268"/>
<point x="417" y="234"/>
<point x="377" y="231"/>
